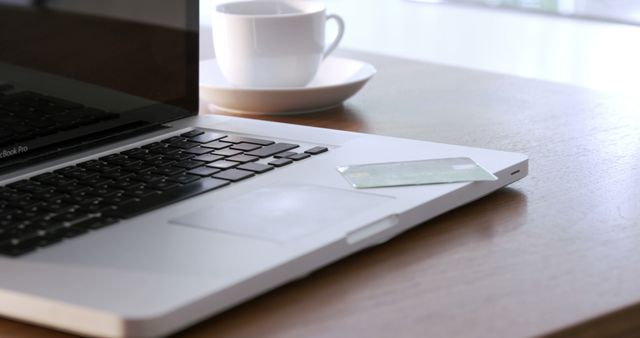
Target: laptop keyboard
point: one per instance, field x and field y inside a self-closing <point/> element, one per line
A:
<point x="27" y="115"/>
<point x="75" y="200"/>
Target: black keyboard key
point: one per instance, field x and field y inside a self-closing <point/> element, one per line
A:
<point x="245" y="146"/>
<point x="101" y="167"/>
<point x="82" y="200"/>
<point x="18" y="184"/>
<point x="70" y="217"/>
<point x="179" y="156"/>
<point x="115" y="175"/>
<point x="203" y="171"/>
<point x="139" y="168"/>
<point x="98" y="181"/>
<point x="160" y="162"/>
<point x="60" y="181"/>
<point x="12" y="214"/>
<point x="234" y="175"/>
<point x="242" y="139"/>
<point x="118" y="199"/>
<point x="164" y="150"/>
<point x="141" y="193"/>
<point x="183" y="144"/>
<point x="184" y="178"/>
<point x="223" y="164"/>
<point x="97" y="208"/>
<point x="162" y="185"/>
<point x="299" y="157"/>
<point x="61" y="233"/>
<point x="272" y="149"/>
<point x="17" y="247"/>
<point x="107" y="159"/>
<point x="198" y="150"/>
<point x="85" y="165"/>
<point x="285" y="154"/>
<point x="217" y="145"/>
<point x="95" y="223"/>
<point x="34" y="208"/>
<point x="135" y="152"/>
<point x="68" y="229"/>
<point x="168" y="171"/>
<point x="124" y="185"/>
<point x="281" y="162"/>
<point x="167" y="150"/>
<point x="7" y="226"/>
<point x="55" y="200"/>
<point x="227" y="152"/>
<point x="242" y="158"/>
<point x="43" y="177"/>
<point x="44" y="180"/>
<point x="82" y="175"/>
<point x="188" y="164"/>
<point x="147" y="178"/>
<point x="11" y="195"/>
<point x="258" y="168"/>
<point x="37" y="215"/>
<point x="24" y="203"/>
<point x="56" y="207"/>
<point x="50" y="195"/>
<point x="174" y="139"/>
<point x="316" y="150"/>
<point x="33" y="187"/>
<point x="148" y="156"/>
<point x="167" y="197"/>
<point x="207" y="137"/>
<point x="67" y="170"/>
<point x="208" y="158"/>
<point x="154" y="145"/>
<point x="126" y="162"/>
<point x="192" y="133"/>
<point x="74" y="188"/>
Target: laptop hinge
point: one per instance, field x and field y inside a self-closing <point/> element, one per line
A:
<point x="83" y="143"/>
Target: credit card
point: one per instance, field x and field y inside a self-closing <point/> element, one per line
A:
<point x="433" y="171"/>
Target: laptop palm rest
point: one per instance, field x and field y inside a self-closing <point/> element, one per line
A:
<point x="282" y="213"/>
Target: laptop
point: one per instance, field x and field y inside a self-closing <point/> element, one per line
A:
<point x="124" y="213"/>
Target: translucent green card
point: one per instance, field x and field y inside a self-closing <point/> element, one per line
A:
<point x="444" y="170"/>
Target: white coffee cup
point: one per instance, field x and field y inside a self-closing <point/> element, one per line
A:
<point x="271" y="43"/>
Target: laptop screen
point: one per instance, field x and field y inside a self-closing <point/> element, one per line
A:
<point x="76" y="72"/>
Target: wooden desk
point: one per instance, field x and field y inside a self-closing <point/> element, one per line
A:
<point x="557" y="254"/>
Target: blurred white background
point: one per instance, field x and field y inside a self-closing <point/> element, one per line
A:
<point x="599" y="55"/>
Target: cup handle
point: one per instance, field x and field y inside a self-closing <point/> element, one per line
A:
<point x="336" y="41"/>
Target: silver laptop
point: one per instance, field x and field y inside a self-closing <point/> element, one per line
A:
<point x="123" y="213"/>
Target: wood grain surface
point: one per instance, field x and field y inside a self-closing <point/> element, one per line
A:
<point x="556" y="254"/>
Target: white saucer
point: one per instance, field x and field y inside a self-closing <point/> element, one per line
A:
<point x="337" y="80"/>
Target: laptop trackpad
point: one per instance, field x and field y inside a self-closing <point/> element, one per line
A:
<point x="281" y="213"/>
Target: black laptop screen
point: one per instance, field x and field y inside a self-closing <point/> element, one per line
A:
<point x="75" y="71"/>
